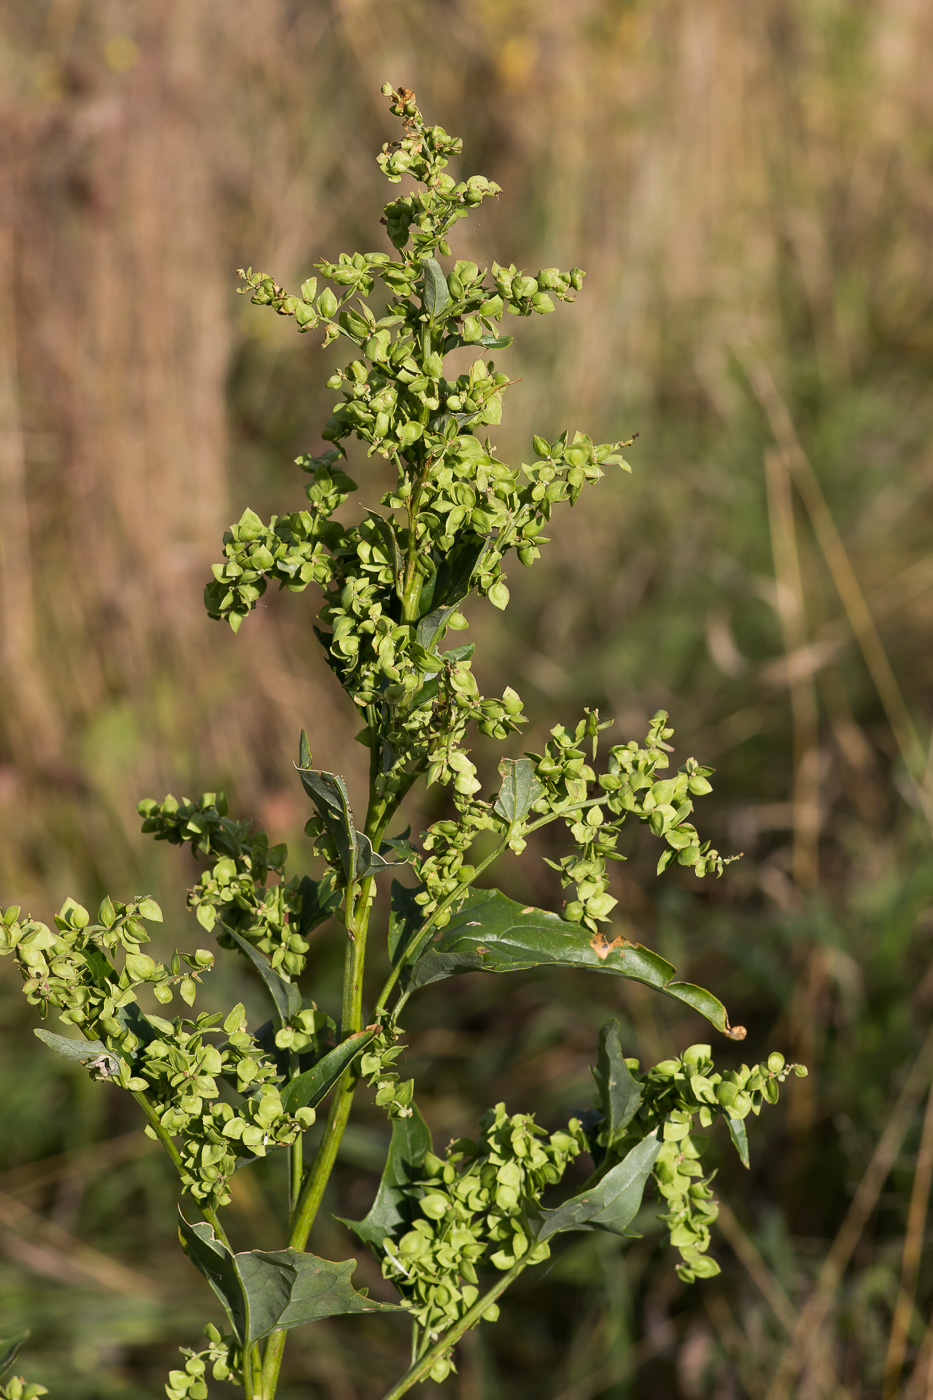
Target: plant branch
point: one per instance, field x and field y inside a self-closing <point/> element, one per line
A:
<point x="421" y="1368"/>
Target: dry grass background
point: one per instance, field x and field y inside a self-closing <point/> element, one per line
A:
<point x="749" y="188"/>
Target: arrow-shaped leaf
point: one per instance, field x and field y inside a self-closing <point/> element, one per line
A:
<point x="264" y="1290"/>
<point x="436" y="293"/>
<point x="308" y="1089"/>
<point x="520" y="790"/>
<point x="390" y="1212"/>
<point x="491" y="933"/>
<point x="613" y="1202"/>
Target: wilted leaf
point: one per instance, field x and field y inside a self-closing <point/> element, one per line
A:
<point x="82" y="1052"/>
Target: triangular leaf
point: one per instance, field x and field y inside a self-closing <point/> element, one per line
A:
<point x="285" y="994"/>
<point x="613" y="1202"/>
<point x="619" y="1092"/>
<point x="436" y="293"/>
<point x="308" y="1089"/>
<point x="520" y="789"/>
<point x="491" y="933"/>
<point x="390" y="1212"/>
<point x="83" y="1052"/>
<point x="262" y="1291"/>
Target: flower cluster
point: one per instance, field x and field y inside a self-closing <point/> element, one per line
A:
<point x="223" y="1355"/>
<point x="599" y="806"/>
<point x="179" y="1069"/>
<point x="675" y="1092"/>
<point x="475" y="1211"/>
<point x="232" y="894"/>
<point x="173" y="1064"/>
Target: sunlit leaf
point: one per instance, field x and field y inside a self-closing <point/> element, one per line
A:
<point x="491" y="933"/>
<point x="436" y="292"/>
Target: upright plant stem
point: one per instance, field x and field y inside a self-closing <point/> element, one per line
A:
<point x="308" y="1201"/>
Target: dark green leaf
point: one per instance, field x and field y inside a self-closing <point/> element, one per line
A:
<point x="368" y="861"/>
<point x="286" y="1288"/>
<point x="328" y="792"/>
<point x="436" y="293"/>
<point x="285" y="994"/>
<point x="319" y="900"/>
<point x="520" y="789"/>
<point x="262" y="1291"/>
<point x="490" y="933"/>
<point x="405" y="918"/>
<point x="454" y="576"/>
<point x="309" y="1088"/>
<point x="739" y="1137"/>
<point x="215" y="1262"/>
<point x="82" y="1052"/>
<point x="613" y="1202"/>
<point x="9" y="1349"/>
<point x="390" y="1212"/>
<point x="619" y="1093"/>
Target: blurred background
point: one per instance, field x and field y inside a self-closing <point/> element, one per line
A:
<point x="749" y="188"/>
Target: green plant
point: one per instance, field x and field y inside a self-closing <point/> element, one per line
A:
<point x="452" y="1231"/>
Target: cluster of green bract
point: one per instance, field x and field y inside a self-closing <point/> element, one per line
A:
<point x="222" y="1355"/>
<point x="473" y="1212"/>
<point x="16" y="1388"/>
<point x="233" y="892"/>
<point x="594" y="808"/>
<point x="675" y="1092"/>
<point x="173" y="1063"/>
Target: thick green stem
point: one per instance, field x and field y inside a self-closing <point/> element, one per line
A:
<point x="421" y="1368"/>
<point x="308" y="1202"/>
